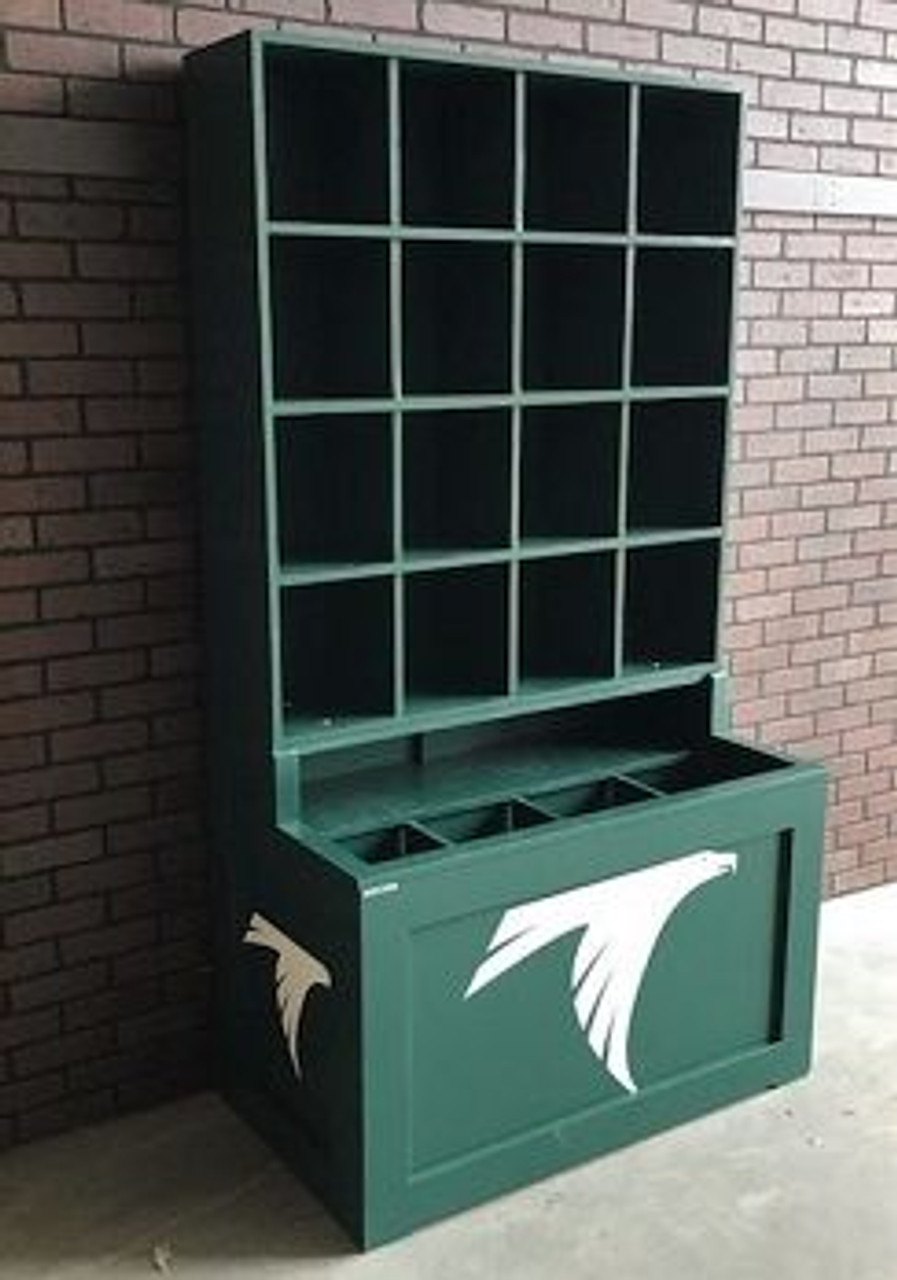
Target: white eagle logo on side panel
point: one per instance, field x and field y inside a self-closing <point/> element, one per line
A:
<point x="296" y="972"/>
<point x="622" y="919"/>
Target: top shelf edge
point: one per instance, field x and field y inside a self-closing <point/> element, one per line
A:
<point x="280" y="228"/>
<point x="396" y="48"/>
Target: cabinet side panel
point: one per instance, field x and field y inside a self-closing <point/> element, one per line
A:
<point x="226" y="367"/>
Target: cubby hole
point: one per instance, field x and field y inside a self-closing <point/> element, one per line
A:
<point x="567" y="618"/>
<point x="330" y="301"/>
<point x="706" y="766"/>
<point x="569" y="471"/>
<point x="337" y="651"/>
<point x="457" y="318"/>
<point x="388" y="843"/>
<point x="670" y="608"/>
<point x="573" y="317"/>
<point x="688" y="157"/>
<point x="327" y="137"/>
<point x="490" y="820"/>
<point x="456" y="633"/>
<point x="456" y="480"/>
<point x="577" y="143"/>
<point x="591" y="797"/>
<point x="457" y="146"/>
<point x="676" y="456"/>
<point x="683" y="301"/>
<point x="334" y="489"/>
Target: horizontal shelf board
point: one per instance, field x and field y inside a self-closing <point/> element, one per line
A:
<point x="671" y="536"/>
<point x="304" y="735"/>
<point x="574" y="68"/>
<point x="428" y="561"/>
<point x="297" y="575"/>
<point x="529" y="549"/>
<point x="546" y="548"/>
<point x="492" y="400"/>
<point x="495" y="235"/>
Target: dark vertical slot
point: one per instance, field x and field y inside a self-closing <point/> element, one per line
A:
<point x="326" y="116"/>
<point x="573" y="317"/>
<point x="457" y="146"/>
<point x="670" y="608"/>
<point x="577" y="154"/>
<point x="457" y="485"/>
<point x="567" y="618"/>
<point x="337" y="650"/>
<point x="334" y="489"/>
<point x="456" y="318"/>
<point x="683" y="303"/>
<point x="330" y="302"/>
<point x="676" y="460"/>
<point x="569" y="471"/>
<point x="456" y="637"/>
<point x="688" y="158"/>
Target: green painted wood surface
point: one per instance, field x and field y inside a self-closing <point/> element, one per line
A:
<point x="464" y="412"/>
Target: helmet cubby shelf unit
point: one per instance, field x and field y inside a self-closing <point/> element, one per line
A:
<point x="497" y="890"/>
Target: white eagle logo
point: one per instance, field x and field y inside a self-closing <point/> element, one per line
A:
<point x="622" y="919"/>
<point x="297" y="971"/>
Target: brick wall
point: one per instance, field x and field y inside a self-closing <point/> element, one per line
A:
<point x="103" y="900"/>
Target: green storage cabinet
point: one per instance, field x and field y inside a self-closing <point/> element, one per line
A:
<point x="496" y="891"/>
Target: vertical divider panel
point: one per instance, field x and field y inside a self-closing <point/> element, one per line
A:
<point x="626" y="406"/>
<point x="517" y="302"/>
<point x="394" y="126"/>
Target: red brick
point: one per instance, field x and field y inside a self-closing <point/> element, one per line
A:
<point x="42" y="568"/>
<point x="24" y="1028"/>
<point x="91" y="600"/>
<point x="32" y="715"/>
<point x="80" y="377"/>
<point x="62" y="55"/>
<point x="96" y="740"/>
<point x="34" y="261"/>
<point x="54" y="921"/>
<point x="47" y="784"/>
<point x="59" y="987"/>
<point x="31" y="95"/>
<point x="612" y="41"/>
<point x="95" y="670"/>
<point x="71" y="220"/>
<point x="37" y="338"/>
<point x="126" y="261"/>
<point x="38" y="417"/>
<point x="107" y="806"/>
<point x="83" y="529"/>
<point x="137" y="21"/>
<point x="20" y="681"/>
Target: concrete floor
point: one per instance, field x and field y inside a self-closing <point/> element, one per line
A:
<point x="800" y="1184"/>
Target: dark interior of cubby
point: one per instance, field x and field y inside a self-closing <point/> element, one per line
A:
<point x="670" y="604"/>
<point x="341" y="467"/>
<point x="592" y="797"/>
<point x="577" y="139"/>
<point x="487" y="820"/>
<point x="676" y="459"/>
<point x="688" y="156"/>
<point x="575" y="761"/>
<point x="569" y="471"/>
<point x="456" y="480"/>
<point x="456" y="317"/>
<point x="327" y="140"/>
<point x="573" y="317"/>
<point x="567" y="618"/>
<point x="456" y="625"/>
<point x="337" y="650"/>
<point x="457" y="146"/>
<point x="330" y="303"/>
<point x="683" y="301"/>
